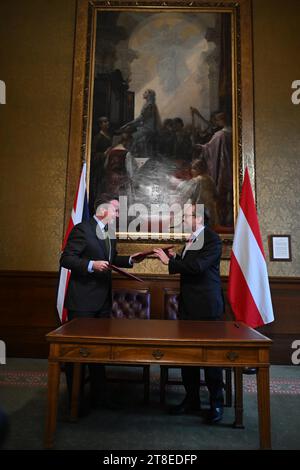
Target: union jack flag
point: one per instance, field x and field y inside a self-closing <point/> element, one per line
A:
<point x="79" y="213"/>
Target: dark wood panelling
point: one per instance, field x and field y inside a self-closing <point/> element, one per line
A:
<point x="28" y="312"/>
<point x="286" y="327"/>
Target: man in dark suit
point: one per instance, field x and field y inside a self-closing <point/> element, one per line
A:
<point x="90" y="248"/>
<point x="201" y="298"/>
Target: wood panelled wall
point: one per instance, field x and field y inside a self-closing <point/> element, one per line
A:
<point x="28" y="312"/>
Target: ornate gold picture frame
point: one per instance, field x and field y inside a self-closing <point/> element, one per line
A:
<point x="106" y="31"/>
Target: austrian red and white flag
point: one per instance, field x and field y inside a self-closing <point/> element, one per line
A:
<point x="79" y="213"/>
<point x="248" y="289"/>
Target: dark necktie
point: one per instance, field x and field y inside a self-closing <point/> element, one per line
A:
<point x="107" y="241"/>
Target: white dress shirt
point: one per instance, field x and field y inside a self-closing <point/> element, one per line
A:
<point x="193" y="237"/>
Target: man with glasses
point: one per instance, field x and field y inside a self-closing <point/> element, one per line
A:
<point x="200" y="298"/>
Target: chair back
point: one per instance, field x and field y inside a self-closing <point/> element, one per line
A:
<point x="171" y="304"/>
<point x="131" y="304"/>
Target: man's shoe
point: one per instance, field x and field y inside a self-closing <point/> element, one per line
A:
<point x="97" y="402"/>
<point x="83" y="410"/>
<point x="215" y="415"/>
<point x="185" y="408"/>
<point x="111" y="405"/>
<point x="106" y="403"/>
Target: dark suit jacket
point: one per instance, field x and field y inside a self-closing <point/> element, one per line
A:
<point x="88" y="291"/>
<point x="201" y="294"/>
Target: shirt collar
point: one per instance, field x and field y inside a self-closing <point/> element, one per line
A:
<point x="198" y="231"/>
<point x="100" y="223"/>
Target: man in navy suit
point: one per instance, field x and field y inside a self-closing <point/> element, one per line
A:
<point x="90" y="248"/>
<point x="200" y="298"/>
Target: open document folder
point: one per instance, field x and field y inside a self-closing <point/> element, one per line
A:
<point x="124" y="273"/>
<point x="138" y="257"/>
<point x="144" y="254"/>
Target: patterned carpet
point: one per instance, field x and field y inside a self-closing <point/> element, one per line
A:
<point x="278" y="386"/>
<point x="23" y="378"/>
<point x="23" y="395"/>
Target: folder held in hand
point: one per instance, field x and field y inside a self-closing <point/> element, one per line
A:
<point x="144" y="254"/>
<point x="124" y="273"/>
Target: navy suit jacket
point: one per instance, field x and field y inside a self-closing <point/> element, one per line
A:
<point x="201" y="295"/>
<point x="88" y="291"/>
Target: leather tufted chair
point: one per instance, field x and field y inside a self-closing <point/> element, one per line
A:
<point x="171" y="313"/>
<point x="133" y="304"/>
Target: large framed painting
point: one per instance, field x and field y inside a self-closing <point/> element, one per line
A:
<point x="162" y="110"/>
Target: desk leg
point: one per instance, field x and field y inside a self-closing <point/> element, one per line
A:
<point x="53" y="389"/>
<point x="75" y="391"/>
<point x="263" y="399"/>
<point x="238" y="402"/>
<point x="228" y="387"/>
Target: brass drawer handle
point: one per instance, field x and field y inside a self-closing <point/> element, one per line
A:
<point x="84" y="352"/>
<point x="157" y="354"/>
<point x="232" y="356"/>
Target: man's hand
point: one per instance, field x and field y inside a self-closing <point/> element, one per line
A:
<point x="137" y="257"/>
<point x="100" y="266"/>
<point x="171" y="253"/>
<point x="159" y="253"/>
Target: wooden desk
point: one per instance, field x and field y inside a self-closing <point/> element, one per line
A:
<point x="195" y="343"/>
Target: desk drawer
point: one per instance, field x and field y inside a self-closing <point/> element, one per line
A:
<point x="85" y="352"/>
<point x="157" y="354"/>
<point x="232" y="356"/>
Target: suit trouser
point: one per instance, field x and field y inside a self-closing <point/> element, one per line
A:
<point x="96" y="371"/>
<point x="213" y="380"/>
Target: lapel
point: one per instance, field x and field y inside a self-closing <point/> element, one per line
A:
<point x="183" y="256"/>
<point x="188" y="250"/>
<point x="113" y="243"/>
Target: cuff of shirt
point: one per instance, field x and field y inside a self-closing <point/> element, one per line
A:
<point x="130" y="262"/>
<point x="90" y="267"/>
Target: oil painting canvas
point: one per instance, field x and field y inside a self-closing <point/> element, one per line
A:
<point x="162" y="110"/>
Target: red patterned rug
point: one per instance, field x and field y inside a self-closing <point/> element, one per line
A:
<point x="278" y="386"/>
<point x="23" y="378"/>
